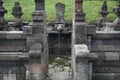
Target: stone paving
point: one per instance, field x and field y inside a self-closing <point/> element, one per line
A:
<point x="58" y="71"/>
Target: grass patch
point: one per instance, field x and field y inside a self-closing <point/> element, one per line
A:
<point x="91" y="9"/>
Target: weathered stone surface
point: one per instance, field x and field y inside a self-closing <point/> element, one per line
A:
<point x="12" y="45"/>
<point x="60" y="21"/>
<point x="37" y="45"/>
<point x="108" y="27"/>
<point x="36" y="71"/>
<point x="79" y="14"/>
<point x="27" y="30"/>
<point x="65" y="43"/>
<point x="38" y="16"/>
<point x="81" y="50"/>
<point x="9" y="77"/>
<point x="39" y="5"/>
<point x="80" y="36"/>
<point x="35" y="50"/>
<point x="106" y="69"/>
<point x="90" y="29"/>
<point x="60" y="10"/>
<point x="108" y="76"/>
<point x="81" y="76"/>
<point x="102" y="45"/>
<point x="117" y="28"/>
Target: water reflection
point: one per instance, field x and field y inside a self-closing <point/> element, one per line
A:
<point x="59" y="69"/>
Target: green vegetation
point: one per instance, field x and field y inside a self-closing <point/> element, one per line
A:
<point x="91" y="9"/>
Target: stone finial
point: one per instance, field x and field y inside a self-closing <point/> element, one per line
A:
<point x="1" y="6"/>
<point x="104" y="9"/>
<point x="39" y="13"/>
<point x="79" y="14"/>
<point x="39" y="5"/>
<point x="2" y="12"/>
<point x="117" y="13"/>
<point x="17" y="12"/>
<point x="103" y="13"/>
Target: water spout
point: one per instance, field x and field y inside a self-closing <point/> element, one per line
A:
<point x="60" y="27"/>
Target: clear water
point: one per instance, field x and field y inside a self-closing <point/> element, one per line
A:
<point x="59" y="68"/>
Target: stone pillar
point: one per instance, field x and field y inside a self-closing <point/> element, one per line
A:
<point x="79" y="23"/>
<point x="103" y="13"/>
<point x="2" y="20"/>
<point x="17" y="13"/>
<point x="117" y="13"/>
<point x="79" y="14"/>
<point x="37" y="44"/>
<point x="79" y="43"/>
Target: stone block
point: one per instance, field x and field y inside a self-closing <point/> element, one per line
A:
<point x="12" y="45"/>
<point x="90" y="29"/>
<point x="81" y="50"/>
<point x="81" y="68"/>
<point x="9" y="77"/>
<point x="81" y="76"/>
<point x="80" y="36"/>
<point x="106" y="76"/>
